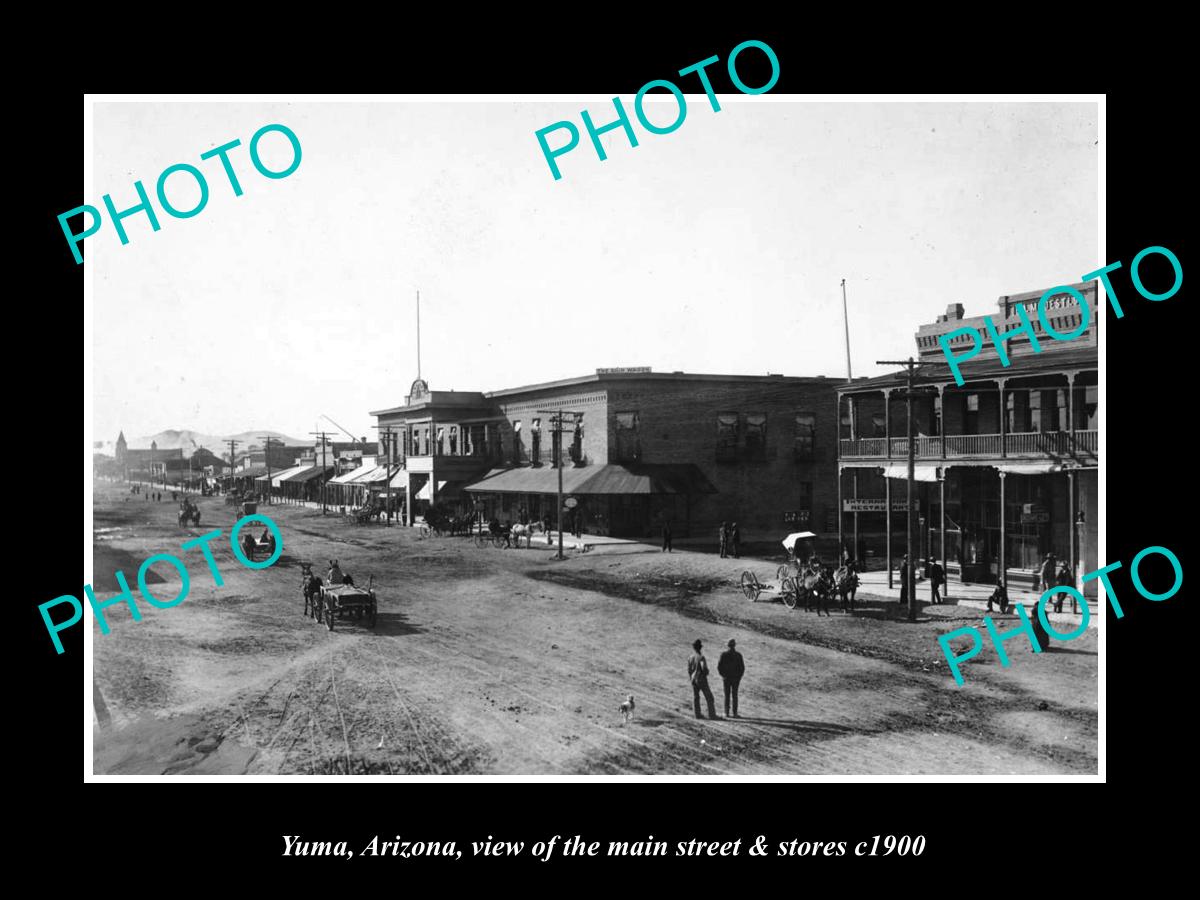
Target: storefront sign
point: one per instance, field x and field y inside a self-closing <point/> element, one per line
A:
<point x="872" y="504"/>
<point x="1036" y="518"/>
<point x="796" y="517"/>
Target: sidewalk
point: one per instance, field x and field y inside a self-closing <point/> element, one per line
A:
<point x="972" y="595"/>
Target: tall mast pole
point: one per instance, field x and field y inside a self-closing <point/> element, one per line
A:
<point x="418" y="335"/>
<point x="846" y="321"/>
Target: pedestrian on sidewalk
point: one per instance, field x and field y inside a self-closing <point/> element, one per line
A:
<point x="731" y="667"/>
<point x="937" y="577"/>
<point x="904" y="581"/>
<point x="667" y="537"/>
<point x="698" y="673"/>
<point x="735" y="539"/>
<point x="1065" y="579"/>
<point x="724" y="538"/>
<point x="1049" y="572"/>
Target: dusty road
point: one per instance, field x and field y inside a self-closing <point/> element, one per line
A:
<point x="507" y="662"/>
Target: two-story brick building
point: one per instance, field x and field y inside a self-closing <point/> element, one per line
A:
<point x="638" y="449"/>
<point x="1007" y="463"/>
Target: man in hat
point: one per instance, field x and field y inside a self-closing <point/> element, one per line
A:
<point x="937" y="577"/>
<point x="1049" y="572"/>
<point x="904" y="581"/>
<point x="698" y="673"/>
<point x="724" y="538"/>
<point x="731" y="667"/>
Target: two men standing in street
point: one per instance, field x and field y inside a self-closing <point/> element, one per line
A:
<point x="731" y="667"/>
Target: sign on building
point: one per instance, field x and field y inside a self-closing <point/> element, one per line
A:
<point x="872" y="504"/>
<point x="796" y="517"/>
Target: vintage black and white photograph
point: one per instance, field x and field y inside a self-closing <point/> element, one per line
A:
<point x="524" y="437"/>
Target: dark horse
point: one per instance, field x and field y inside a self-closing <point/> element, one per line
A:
<point x="845" y="584"/>
<point x="815" y="583"/>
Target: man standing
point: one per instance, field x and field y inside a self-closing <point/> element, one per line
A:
<point x="667" y="537"/>
<point x="937" y="577"/>
<point x="731" y="667"/>
<point x="698" y="673"/>
<point x="724" y="537"/>
<point x="1049" y="571"/>
<point x="735" y="537"/>
<point x="904" y="581"/>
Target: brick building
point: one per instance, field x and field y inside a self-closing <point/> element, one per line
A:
<point x="638" y="448"/>
<point x="1006" y="464"/>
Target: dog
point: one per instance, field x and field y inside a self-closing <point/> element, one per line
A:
<point x="627" y="709"/>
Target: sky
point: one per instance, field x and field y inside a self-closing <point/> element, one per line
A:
<point x="720" y="247"/>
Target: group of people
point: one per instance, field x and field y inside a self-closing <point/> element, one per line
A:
<point x="156" y="496"/>
<point x="731" y="540"/>
<point x="731" y="667"/>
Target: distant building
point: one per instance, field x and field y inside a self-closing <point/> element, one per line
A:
<point x="638" y="449"/>
<point x="1009" y="461"/>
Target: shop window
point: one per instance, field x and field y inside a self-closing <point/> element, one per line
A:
<point x="756" y="436"/>
<point x="727" y="437"/>
<point x="806" y="432"/>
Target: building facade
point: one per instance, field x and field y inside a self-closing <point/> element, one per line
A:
<point x="1006" y="464"/>
<point x="637" y="450"/>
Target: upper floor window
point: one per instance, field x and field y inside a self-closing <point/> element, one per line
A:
<point x="806" y="432"/>
<point x="727" y="436"/>
<point x="971" y="414"/>
<point x="756" y="436"/>
<point x="628" y="444"/>
<point x="454" y="440"/>
<point x="535" y="441"/>
<point x="577" y="443"/>
<point x="879" y="425"/>
<point x="516" y="448"/>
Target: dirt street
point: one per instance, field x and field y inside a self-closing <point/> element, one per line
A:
<point x="489" y="661"/>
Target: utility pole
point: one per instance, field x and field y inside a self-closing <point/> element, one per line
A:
<point x="232" y="444"/>
<point x="909" y="580"/>
<point x="323" y="435"/>
<point x="387" y="434"/>
<point x="556" y="418"/>
<point x="267" y="453"/>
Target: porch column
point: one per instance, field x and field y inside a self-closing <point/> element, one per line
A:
<point x="840" y="514"/>
<point x="1001" y="568"/>
<point x="1003" y="429"/>
<point x="887" y="482"/>
<point x="1070" y="429"/>
<point x="854" y="472"/>
<point x="1071" y="524"/>
<point x="941" y="390"/>
<point x="942" y="514"/>
<point x="887" y="421"/>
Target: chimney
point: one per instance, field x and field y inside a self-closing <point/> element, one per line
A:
<point x="954" y="312"/>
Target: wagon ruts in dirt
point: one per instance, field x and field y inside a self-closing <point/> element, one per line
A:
<point x="347" y="602"/>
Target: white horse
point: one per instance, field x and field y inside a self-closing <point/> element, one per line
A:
<point x="525" y="531"/>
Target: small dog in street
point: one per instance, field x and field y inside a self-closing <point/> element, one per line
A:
<point x="627" y="709"/>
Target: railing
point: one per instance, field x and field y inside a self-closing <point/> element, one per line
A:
<point x="1036" y="444"/>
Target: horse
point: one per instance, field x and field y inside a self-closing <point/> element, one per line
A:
<point x="815" y="583"/>
<point x="845" y="585"/>
<point x="525" y="531"/>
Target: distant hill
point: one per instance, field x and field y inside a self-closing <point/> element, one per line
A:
<point x="188" y="440"/>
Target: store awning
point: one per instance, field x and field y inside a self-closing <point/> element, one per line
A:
<point x="921" y="471"/>
<point x="284" y="474"/>
<point x="351" y="475"/>
<point x="446" y="490"/>
<point x="613" y="479"/>
<point x="307" y="474"/>
<point x="1038" y="468"/>
<point x="251" y="472"/>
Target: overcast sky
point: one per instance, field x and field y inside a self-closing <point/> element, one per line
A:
<point x="717" y="248"/>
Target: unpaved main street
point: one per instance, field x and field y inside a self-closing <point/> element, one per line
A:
<point x="507" y="662"/>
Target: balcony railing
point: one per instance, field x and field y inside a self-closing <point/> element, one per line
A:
<point x="1022" y="445"/>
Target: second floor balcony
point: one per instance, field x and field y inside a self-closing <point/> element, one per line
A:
<point x="1081" y="446"/>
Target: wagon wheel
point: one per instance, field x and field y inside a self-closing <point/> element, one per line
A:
<point x="783" y="572"/>
<point x="789" y="592"/>
<point x="751" y="586"/>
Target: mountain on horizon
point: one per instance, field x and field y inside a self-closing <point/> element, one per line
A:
<point x="188" y="440"/>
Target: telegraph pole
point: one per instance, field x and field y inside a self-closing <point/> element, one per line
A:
<point x="269" y="440"/>
<point x="556" y="417"/>
<point x="323" y="435"/>
<point x="909" y="579"/>
<point x="387" y="434"/>
<point x="232" y="444"/>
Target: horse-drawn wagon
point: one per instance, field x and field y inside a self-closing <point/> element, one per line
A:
<point x="796" y="581"/>
<point x="329" y="602"/>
